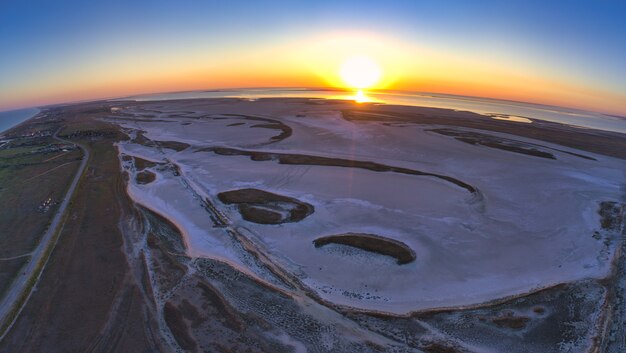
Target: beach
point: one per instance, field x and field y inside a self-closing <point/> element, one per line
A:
<point x="12" y="118"/>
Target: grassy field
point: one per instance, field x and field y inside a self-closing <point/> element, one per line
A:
<point x="29" y="177"/>
<point x="8" y="269"/>
<point x="88" y="276"/>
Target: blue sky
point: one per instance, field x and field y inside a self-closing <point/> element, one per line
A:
<point x="578" y="41"/>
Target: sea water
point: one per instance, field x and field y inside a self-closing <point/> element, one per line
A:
<point x="11" y="118"/>
<point x="514" y="111"/>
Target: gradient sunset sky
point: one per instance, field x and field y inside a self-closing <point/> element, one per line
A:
<point x="567" y="53"/>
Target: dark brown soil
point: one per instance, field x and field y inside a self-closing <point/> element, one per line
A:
<point x="225" y="312"/>
<point x="511" y="321"/>
<point x="87" y="299"/>
<point x="191" y="313"/>
<point x="173" y="145"/>
<point x="264" y="207"/>
<point x="167" y="235"/>
<point x="439" y="348"/>
<point x="260" y="215"/>
<point x="612" y="215"/>
<point x="9" y="269"/>
<point x="602" y="142"/>
<point x="539" y="310"/>
<point x="474" y="138"/>
<point x="143" y="140"/>
<point x="511" y="148"/>
<point x="178" y="327"/>
<point x="142" y="164"/>
<point x="145" y="177"/>
<point x="371" y="242"/>
<point x="166" y="269"/>
<point x="285" y="130"/>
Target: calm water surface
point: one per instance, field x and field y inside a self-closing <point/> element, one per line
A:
<point x="512" y="111"/>
<point x="13" y="117"/>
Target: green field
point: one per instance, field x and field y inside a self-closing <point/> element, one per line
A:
<point x="28" y="177"/>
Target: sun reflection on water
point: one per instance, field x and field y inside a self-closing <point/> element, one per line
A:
<point x="360" y="97"/>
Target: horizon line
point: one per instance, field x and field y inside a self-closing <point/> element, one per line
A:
<point x="313" y="88"/>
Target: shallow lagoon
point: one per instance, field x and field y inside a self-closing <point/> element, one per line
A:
<point x="485" y="106"/>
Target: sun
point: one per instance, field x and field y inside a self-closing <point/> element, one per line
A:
<point x="360" y="72"/>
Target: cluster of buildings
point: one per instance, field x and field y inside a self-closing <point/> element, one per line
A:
<point x="44" y="207"/>
<point x="37" y="133"/>
<point x="6" y="139"/>
<point x="55" y="147"/>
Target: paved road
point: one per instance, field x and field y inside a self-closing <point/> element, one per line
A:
<point x="20" y="283"/>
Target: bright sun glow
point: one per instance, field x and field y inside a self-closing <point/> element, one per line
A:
<point x="360" y="97"/>
<point x="360" y="72"/>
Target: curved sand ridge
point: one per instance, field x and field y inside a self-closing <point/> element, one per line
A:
<point x="373" y="243"/>
<point x="264" y="207"/>
<point x="302" y="159"/>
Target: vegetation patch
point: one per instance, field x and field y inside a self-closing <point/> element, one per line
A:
<point x="435" y="347"/>
<point x="539" y="310"/>
<point x="145" y="177"/>
<point x="167" y="270"/>
<point x="260" y="214"/>
<point x="176" y="323"/>
<point x="509" y="320"/>
<point x="225" y="313"/>
<point x="285" y="131"/>
<point x="301" y="159"/>
<point x="173" y="145"/>
<point x="611" y="215"/>
<point x="191" y="313"/>
<point x="605" y="142"/>
<point x="264" y="207"/>
<point x="141" y="139"/>
<point x="142" y="164"/>
<point x="169" y="236"/>
<point x="267" y="123"/>
<point x="373" y="243"/>
<point x="475" y="138"/>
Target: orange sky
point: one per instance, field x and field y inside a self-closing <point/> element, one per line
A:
<point x="313" y="62"/>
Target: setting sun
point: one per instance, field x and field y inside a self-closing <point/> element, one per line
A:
<point x="299" y="176"/>
<point x="360" y="72"/>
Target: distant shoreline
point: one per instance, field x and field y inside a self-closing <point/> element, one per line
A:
<point x="12" y="118"/>
<point x="483" y="106"/>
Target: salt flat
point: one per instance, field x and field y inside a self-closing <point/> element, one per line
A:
<point x="528" y="222"/>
